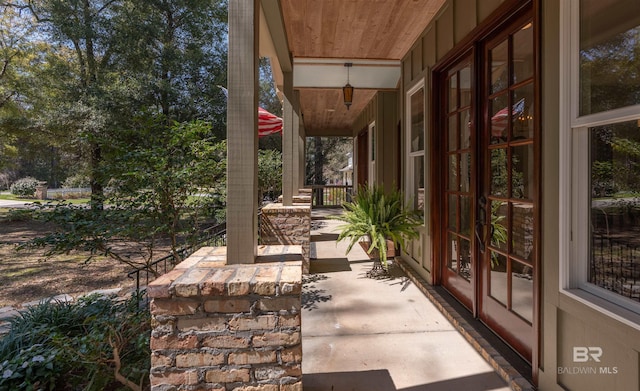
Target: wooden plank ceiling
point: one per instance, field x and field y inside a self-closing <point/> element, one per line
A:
<point x="349" y="29"/>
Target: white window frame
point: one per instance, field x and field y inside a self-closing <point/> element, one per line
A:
<point x="409" y="172"/>
<point x="371" y="146"/>
<point x="574" y="179"/>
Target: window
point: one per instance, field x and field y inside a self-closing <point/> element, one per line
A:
<point x="372" y="153"/>
<point x="415" y="146"/>
<point x="604" y="145"/>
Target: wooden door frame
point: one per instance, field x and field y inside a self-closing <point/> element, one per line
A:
<point x="506" y="12"/>
<point x="362" y="162"/>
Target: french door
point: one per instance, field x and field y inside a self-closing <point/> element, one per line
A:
<point x="489" y="181"/>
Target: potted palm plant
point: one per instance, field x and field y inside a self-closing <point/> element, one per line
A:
<point x="378" y="220"/>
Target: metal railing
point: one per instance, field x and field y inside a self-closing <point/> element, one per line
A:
<point x="615" y="264"/>
<point x="330" y="195"/>
<point x="215" y="236"/>
<point x="212" y="236"/>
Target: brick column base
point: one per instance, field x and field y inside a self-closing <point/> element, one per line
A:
<point x="228" y="327"/>
<point x="287" y="225"/>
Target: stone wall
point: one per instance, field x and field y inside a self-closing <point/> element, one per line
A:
<point x="228" y="327"/>
<point x="287" y="225"/>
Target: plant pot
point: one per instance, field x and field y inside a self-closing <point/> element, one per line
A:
<point x="375" y="254"/>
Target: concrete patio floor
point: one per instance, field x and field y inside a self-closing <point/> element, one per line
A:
<point x="363" y="334"/>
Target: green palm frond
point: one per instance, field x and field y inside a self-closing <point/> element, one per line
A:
<point x="378" y="216"/>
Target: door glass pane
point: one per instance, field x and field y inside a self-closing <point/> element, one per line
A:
<point x="499" y="67"/>
<point x="522" y="230"/>
<point x="522" y="290"/>
<point x="465" y="129"/>
<point x="523" y="54"/>
<point x="466" y="222"/>
<point x="453" y="212"/>
<point x="453" y="172"/>
<point x="522" y="171"/>
<point x="499" y="225"/>
<point x="418" y="182"/>
<point x="465" y="172"/>
<point x="609" y="60"/>
<point x="523" y="113"/>
<point x="498" y="278"/>
<point x="499" y="119"/>
<point x="452" y="250"/>
<point x="417" y="121"/>
<point x="453" y="132"/>
<point x="465" y="86"/>
<point x="499" y="174"/>
<point x="453" y="93"/>
<point x="615" y="208"/>
<point x="465" y="259"/>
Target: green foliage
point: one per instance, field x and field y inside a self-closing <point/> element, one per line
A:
<point x="270" y="172"/>
<point x="165" y="184"/>
<point x="76" y="181"/>
<point x="499" y="234"/>
<point x="76" y="346"/>
<point x="378" y="217"/>
<point x="24" y="187"/>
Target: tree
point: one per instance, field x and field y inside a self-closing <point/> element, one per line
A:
<point x="126" y="59"/>
<point x="160" y="188"/>
<point x="325" y="157"/>
<point x="269" y="173"/>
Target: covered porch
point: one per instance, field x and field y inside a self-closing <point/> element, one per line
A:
<point x="389" y="334"/>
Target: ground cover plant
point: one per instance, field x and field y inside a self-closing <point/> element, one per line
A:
<point x="94" y="343"/>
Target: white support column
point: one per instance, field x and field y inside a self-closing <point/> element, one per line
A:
<point x="288" y="135"/>
<point x="242" y="132"/>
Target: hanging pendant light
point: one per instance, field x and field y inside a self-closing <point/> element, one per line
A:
<point x="347" y="90"/>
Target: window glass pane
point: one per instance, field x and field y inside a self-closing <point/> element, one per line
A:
<point x="418" y="181"/>
<point x="522" y="230"/>
<point x="465" y="129"/>
<point x="453" y="93"/>
<point x="522" y="290"/>
<point x="522" y="172"/>
<point x="498" y="282"/>
<point x="465" y="259"/>
<point x="453" y="212"/>
<point x="615" y="208"/>
<point x="499" y="174"/>
<point x="609" y="60"/>
<point x="466" y="223"/>
<point x="373" y="143"/>
<point x="522" y="113"/>
<point x="499" y="119"/>
<point x="499" y="67"/>
<point x="453" y="172"/>
<point x="452" y="250"/>
<point x="465" y="172"/>
<point x="417" y="121"/>
<point x="453" y="132"/>
<point x="523" y="54"/>
<point x="465" y="86"/>
<point x="499" y="225"/>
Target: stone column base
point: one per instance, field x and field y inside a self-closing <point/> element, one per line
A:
<point x="228" y="327"/>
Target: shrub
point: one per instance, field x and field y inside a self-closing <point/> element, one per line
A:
<point x="76" y="346"/>
<point x="24" y="187"/>
<point x="76" y="181"/>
